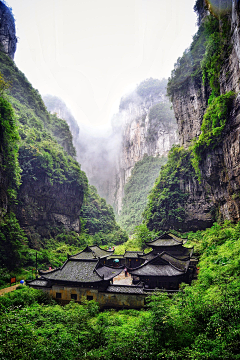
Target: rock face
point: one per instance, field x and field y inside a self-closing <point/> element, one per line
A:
<point x="219" y="192"/>
<point x="43" y="208"/>
<point x="142" y="132"/>
<point x="8" y="37"/>
<point x="3" y="189"/>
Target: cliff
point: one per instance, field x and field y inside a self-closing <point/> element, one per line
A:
<point x="52" y="184"/>
<point x="8" y="39"/>
<point x="148" y="127"/>
<point x="202" y="88"/>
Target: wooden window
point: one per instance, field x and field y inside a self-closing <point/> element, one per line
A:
<point x="74" y="296"/>
<point x="89" y="297"/>
<point x="58" y="295"/>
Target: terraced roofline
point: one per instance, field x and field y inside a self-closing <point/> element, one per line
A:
<point x="161" y="269"/>
<point x="165" y="240"/>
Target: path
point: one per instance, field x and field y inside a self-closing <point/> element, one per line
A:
<point x="122" y="280"/>
<point x="8" y="289"/>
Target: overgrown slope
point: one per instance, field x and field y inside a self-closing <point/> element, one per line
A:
<point x="136" y="191"/>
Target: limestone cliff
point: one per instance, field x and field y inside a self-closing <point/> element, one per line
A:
<point x="148" y="127"/>
<point x="219" y="164"/>
<point x="8" y="39"/>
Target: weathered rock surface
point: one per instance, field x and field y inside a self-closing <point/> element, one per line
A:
<point x="8" y="39"/>
<point x="44" y="208"/>
<point x="219" y="193"/>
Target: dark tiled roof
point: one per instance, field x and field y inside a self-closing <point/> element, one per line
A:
<point x="38" y="282"/>
<point x="181" y="253"/>
<point x="92" y="252"/>
<point x="88" y="255"/>
<point x="161" y="265"/>
<point x="82" y="271"/>
<point x="132" y="254"/>
<point x="181" y="265"/>
<point x="124" y="289"/>
<point x="166" y="240"/>
<point x="149" y="255"/>
<point x="100" y="252"/>
<point x="156" y="270"/>
<point x="109" y="272"/>
<point x="76" y="271"/>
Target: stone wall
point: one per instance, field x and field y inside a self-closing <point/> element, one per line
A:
<point x="105" y="299"/>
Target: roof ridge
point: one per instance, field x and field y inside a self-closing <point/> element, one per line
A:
<point x="172" y="264"/>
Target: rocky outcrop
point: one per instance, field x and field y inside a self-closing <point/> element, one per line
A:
<point x="218" y="195"/>
<point x="8" y="39"/>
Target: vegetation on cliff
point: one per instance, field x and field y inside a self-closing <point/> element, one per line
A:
<point x="202" y="62"/>
<point x="99" y="220"/>
<point x="212" y="128"/>
<point x="200" y="322"/>
<point x="165" y="207"/>
<point x="136" y="191"/>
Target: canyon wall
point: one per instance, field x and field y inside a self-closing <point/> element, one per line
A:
<point x="218" y="194"/>
<point x="144" y="131"/>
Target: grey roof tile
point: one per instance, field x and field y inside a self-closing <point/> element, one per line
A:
<point x="133" y="254"/>
<point x="92" y="252"/>
<point x="166" y="240"/>
<point x="161" y="265"/>
<point x="82" y="271"/>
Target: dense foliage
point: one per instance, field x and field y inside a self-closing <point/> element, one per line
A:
<point x="12" y="239"/>
<point x="201" y="322"/>
<point x="212" y="128"/>
<point x="99" y="220"/>
<point x="9" y="139"/>
<point x="203" y="60"/>
<point x="137" y="189"/>
<point x="165" y="207"/>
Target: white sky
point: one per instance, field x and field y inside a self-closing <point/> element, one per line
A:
<point x="90" y="52"/>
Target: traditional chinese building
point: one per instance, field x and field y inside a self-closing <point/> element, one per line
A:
<point x="166" y="266"/>
<point x="90" y="273"/>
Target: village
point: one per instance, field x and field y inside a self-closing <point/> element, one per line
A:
<point x="120" y="281"/>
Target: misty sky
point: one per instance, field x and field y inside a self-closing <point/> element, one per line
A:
<point x="91" y="52"/>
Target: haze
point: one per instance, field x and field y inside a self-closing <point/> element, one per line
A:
<point x="90" y="52"/>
